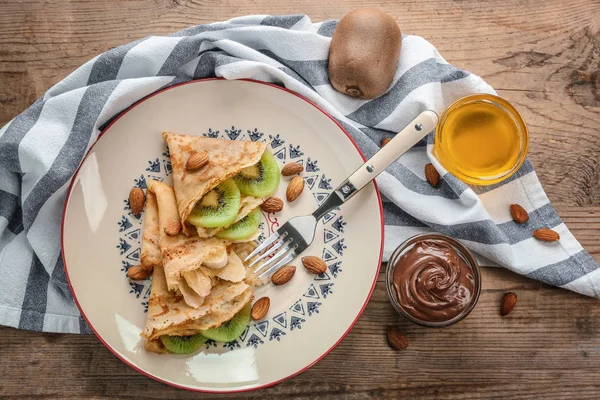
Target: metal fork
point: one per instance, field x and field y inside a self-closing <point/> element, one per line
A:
<point x="293" y="237"/>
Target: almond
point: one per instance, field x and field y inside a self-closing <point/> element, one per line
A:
<point x="284" y="275"/>
<point x="139" y="272"/>
<point x="314" y="264"/>
<point x="518" y="214"/>
<point x="396" y="339"/>
<point x="294" y="188"/>
<point x="173" y="227"/>
<point x="433" y="177"/>
<point x="292" y="169"/>
<point x="260" y="308"/>
<point x="385" y="141"/>
<point x="545" y="234"/>
<point x="137" y="199"/>
<point x="196" y="161"/>
<point x="272" y="205"/>
<point x="508" y="303"/>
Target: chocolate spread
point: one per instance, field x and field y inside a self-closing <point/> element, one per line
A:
<point x="432" y="281"/>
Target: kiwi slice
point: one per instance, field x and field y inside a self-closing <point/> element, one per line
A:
<point x="242" y="229"/>
<point x="183" y="344"/>
<point x="217" y="208"/>
<point x="261" y="179"/>
<point x="232" y="329"/>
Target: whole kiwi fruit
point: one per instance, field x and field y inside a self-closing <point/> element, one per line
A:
<point x="364" y="52"/>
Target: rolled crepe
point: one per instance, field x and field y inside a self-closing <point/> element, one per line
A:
<point x="226" y="158"/>
<point x="150" y="256"/>
<point x="168" y="313"/>
<point x="180" y="253"/>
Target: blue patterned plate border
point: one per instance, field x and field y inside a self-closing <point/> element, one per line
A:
<point x="117" y="317"/>
<point x="130" y="228"/>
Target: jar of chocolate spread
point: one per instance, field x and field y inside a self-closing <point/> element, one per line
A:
<point x="433" y="280"/>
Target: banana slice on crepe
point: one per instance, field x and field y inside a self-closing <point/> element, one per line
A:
<point x="235" y="270"/>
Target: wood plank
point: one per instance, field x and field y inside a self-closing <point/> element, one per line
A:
<point x="550" y="342"/>
<point x="542" y="56"/>
<point x="553" y="85"/>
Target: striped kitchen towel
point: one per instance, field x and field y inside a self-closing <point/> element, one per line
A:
<point x="41" y="148"/>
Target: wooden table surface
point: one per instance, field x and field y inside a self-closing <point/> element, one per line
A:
<point x="541" y="55"/>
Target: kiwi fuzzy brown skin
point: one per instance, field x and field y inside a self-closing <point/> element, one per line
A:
<point x="364" y="52"/>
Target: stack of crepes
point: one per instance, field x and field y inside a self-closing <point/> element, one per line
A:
<point x="199" y="281"/>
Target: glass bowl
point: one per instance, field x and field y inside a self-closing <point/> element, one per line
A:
<point x="462" y="251"/>
<point x="481" y="139"/>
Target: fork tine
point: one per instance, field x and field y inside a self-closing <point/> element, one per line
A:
<point x="263" y="245"/>
<point x="268" y="252"/>
<point x="276" y="257"/>
<point x="280" y="264"/>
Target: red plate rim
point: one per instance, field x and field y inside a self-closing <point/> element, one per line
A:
<point x="156" y="378"/>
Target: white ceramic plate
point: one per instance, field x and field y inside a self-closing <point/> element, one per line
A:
<point x="308" y="316"/>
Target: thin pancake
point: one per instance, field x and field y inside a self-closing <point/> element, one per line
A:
<point x="150" y="256"/>
<point x="190" y="296"/>
<point x="222" y="314"/>
<point x="168" y="314"/>
<point x="199" y="281"/>
<point x="226" y="158"/>
<point x="243" y="250"/>
<point x="211" y="320"/>
<point x="181" y="253"/>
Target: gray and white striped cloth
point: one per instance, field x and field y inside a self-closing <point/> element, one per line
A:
<point x="41" y="148"/>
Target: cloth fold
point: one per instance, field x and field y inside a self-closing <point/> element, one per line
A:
<point x="41" y="148"/>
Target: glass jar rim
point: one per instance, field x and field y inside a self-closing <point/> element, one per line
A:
<point x="507" y="108"/>
<point x="463" y="252"/>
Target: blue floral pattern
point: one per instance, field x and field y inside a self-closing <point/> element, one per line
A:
<point x="211" y="134"/>
<point x="154" y="166"/>
<point x="335" y="268"/>
<point x="296" y="323"/>
<point x="276" y="141"/>
<point x="339" y="224"/>
<point x="124" y="224"/>
<point x="123" y="246"/>
<point x="311" y="165"/>
<point x="140" y="182"/>
<point x="325" y="183"/>
<point x="295" y="152"/>
<point x="276" y="334"/>
<point x="293" y="317"/>
<point x="254" y="341"/>
<point x="255" y="134"/>
<point x="233" y="133"/>
<point x="230" y="345"/>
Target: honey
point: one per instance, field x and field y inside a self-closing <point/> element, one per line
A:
<point x="481" y="139"/>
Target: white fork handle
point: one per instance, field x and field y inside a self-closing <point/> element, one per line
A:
<point x="402" y="142"/>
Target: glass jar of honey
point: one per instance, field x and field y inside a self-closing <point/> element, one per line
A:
<point x="481" y="139"/>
